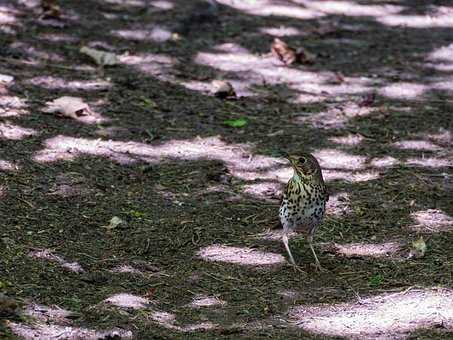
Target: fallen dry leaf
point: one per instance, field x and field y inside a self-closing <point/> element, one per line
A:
<point x="101" y="58"/>
<point x="418" y="248"/>
<point x="289" y="55"/>
<point x="223" y="89"/>
<point x="114" y="222"/>
<point x="67" y="106"/>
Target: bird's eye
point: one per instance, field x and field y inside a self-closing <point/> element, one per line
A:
<point x="302" y="160"/>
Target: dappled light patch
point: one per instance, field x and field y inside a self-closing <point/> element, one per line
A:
<point x="8" y="166"/>
<point x="8" y="15"/>
<point x="14" y="132"/>
<point x="162" y="4"/>
<point x="272" y="8"/>
<point x="430" y="162"/>
<point x="252" y="69"/>
<point x="338" y="204"/>
<point x="125" y="268"/>
<point x="384" y="316"/>
<point x="431" y="221"/>
<point x="168" y="320"/>
<point x="264" y="190"/>
<point x="377" y="250"/>
<point x="52" y="331"/>
<point x="442" y="17"/>
<point x="416" y="145"/>
<point x="127" y="3"/>
<point x="48" y="313"/>
<point x="54" y="83"/>
<point x="334" y="117"/>
<point x="240" y="255"/>
<point x="126" y="300"/>
<point x="336" y="159"/>
<point x="282" y="31"/>
<point x="58" y="38"/>
<point x="350" y="8"/>
<point x="12" y="106"/>
<point x="206" y="301"/>
<point x="349" y="140"/>
<point x="353" y="176"/>
<point x="384" y="162"/>
<point x="156" y="65"/>
<point x="239" y="161"/>
<point x="48" y="255"/>
<point x="35" y="53"/>
<point x="403" y="90"/>
<point x="157" y="33"/>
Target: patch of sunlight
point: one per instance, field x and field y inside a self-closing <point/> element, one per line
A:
<point x="384" y="162"/>
<point x="14" y="132"/>
<point x="349" y="8"/>
<point x="58" y="37"/>
<point x="416" y="145"/>
<point x="443" y="17"/>
<point x="443" y="137"/>
<point x="377" y="250"/>
<point x="403" y="90"/>
<point x="54" y="83"/>
<point x="8" y="15"/>
<point x="338" y="204"/>
<point x="156" y="65"/>
<point x="272" y="8"/>
<point x="282" y="31"/>
<point x="36" y="53"/>
<point x="48" y="314"/>
<point x="353" y="176"/>
<point x="12" y="106"/>
<point x="240" y="255"/>
<point x="125" y="300"/>
<point x="336" y="159"/>
<point x="384" y="316"/>
<point x="206" y="301"/>
<point x="162" y="4"/>
<point x="168" y="321"/>
<point x="431" y="221"/>
<point x="256" y="70"/>
<point x="8" y="166"/>
<point x="349" y="140"/>
<point x="430" y="162"/>
<point x="158" y="34"/>
<point x="334" y="117"/>
<point x="128" y="3"/>
<point x="52" y="331"/>
<point x="125" y="268"/>
<point x="237" y="157"/>
<point x="263" y="190"/>
<point x="47" y="254"/>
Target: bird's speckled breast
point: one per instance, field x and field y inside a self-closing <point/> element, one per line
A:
<point x="302" y="207"/>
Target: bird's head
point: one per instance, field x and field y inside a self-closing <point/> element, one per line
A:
<point x="305" y="166"/>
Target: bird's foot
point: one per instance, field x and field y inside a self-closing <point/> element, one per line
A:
<point x="319" y="268"/>
<point x="297" y="268"/>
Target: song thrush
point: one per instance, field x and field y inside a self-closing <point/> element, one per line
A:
<point x="304" y="200"/>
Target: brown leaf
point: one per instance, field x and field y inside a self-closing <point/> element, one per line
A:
<point x="289" y="55"/>
<point x="150" y="293"/>
<point x="223" y="89"/>
<point x="283" y="51"/>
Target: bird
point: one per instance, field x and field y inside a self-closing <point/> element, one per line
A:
<point x="304" y="200"/>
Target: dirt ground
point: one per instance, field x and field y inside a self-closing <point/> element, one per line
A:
<point x="151" y="217"/>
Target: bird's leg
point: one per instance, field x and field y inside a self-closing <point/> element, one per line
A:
<point x="310" y="243"/>
<point x="291" y="259"/>
<point x="285" y="242"/>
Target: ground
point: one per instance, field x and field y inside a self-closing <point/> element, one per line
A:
<point x="193" y="250"/>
